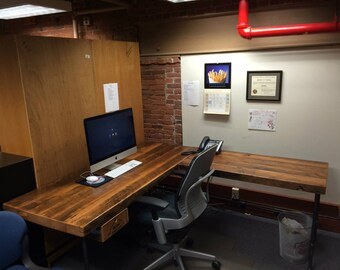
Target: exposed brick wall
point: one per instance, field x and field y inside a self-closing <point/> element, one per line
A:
<point x="161" y="88"/>
<point x="54" y="26"/>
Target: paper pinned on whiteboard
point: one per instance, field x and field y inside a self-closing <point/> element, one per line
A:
<point x="262" y="119"/>
<point x="191" y="93"/>
<point x="111" y="97"/>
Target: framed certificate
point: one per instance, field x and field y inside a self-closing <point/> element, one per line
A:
<point x="264" y="85"/>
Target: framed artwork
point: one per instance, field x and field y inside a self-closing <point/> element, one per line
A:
<point x="217" y="75"/>
<point x="264" y="85"/>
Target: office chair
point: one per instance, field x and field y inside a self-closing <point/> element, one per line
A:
<point x="14" y="253"/>
<point x="175" y="212"/>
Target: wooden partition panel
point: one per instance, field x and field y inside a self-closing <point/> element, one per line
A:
<point x="58" y="81"/>
<point x="119" y="62"/>
<point x="14" y="131"/>
<point x="49" y="85"/>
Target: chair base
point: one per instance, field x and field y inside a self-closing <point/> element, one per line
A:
<point x="176" y="253"/>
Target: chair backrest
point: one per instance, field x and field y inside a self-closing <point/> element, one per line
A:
<point x="199" y="166"/>
<point x="190" y="194"/>
<point x="190" y="201"/>
<point x="12" y="231"/>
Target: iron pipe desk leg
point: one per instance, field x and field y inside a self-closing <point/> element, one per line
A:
<point x="314" y="229"/>
<point x="85" y="255"/>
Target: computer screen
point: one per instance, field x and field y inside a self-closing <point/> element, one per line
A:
<point x="110" y="137"/>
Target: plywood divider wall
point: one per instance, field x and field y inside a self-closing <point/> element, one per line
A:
<point x="58" y="85"/>
<point x="14" y="130"/>
<point x="126" y="56"/>
<point x="52" y="85"/>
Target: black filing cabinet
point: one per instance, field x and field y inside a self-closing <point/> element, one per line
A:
<point x="16" y="176"/>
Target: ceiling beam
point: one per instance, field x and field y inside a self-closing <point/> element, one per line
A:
<point x="118" y="2"/>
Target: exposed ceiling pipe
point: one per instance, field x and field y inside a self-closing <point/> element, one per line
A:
<point x="246" y="31"/>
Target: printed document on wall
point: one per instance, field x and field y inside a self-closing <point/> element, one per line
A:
<point x="262" y="119"/>
<point x="191" y="93"/>
<point x="111" y="97"/>
<point x="217" y="101"/>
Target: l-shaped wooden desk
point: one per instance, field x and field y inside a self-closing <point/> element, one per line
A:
<point x="288" y="173"/>
<point x="80" y="210"/>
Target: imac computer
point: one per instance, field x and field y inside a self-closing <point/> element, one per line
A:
<point x="110" y="137"/>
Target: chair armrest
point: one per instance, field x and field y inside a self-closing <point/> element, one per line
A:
<point x="180" y="172"/>
<point x="152" y="202"/>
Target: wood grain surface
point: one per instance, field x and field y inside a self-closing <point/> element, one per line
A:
<point x="118" y="62"/>
<point x="58" y="84"/>
<point x="77" y="209"/>
<point x="288" y="173"/>
<point x="49" y="85"/>
<point x="14" y="134"/>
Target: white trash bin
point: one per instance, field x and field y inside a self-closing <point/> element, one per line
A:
<point x="295" y="233"/>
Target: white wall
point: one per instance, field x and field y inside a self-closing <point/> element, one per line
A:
<point x="308" y="125"/>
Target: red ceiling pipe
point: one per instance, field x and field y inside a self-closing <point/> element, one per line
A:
<point x="246" y="31"/>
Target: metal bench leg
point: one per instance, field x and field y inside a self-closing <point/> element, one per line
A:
<point x="314" y="229"/>
<point x="85" y="255"/>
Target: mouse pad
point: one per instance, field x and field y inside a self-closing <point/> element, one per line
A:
<point x="83" y="181"/>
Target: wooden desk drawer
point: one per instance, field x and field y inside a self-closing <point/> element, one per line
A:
<point x="111" y="227"/>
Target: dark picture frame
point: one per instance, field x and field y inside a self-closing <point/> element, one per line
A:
<point x="264" y="85"/>
<point x="217" y="75"/>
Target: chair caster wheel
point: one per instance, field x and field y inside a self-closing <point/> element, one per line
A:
<point x="216" y="265"/>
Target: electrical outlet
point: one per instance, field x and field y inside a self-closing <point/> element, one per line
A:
<point x="86" y="21"/>
<point x="235" y="193"/>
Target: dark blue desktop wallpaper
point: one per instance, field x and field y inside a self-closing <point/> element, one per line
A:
<point x="109" y="134"/>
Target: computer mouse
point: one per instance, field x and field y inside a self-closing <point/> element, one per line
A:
<point x="92" y="178"/>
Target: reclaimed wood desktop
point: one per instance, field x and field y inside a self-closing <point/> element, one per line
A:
<point x="288" y="173"/>
<point x="79" y="210"/>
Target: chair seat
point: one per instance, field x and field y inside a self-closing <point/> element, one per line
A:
<point x="14" y="243"/>
<point x="145" y="216"/>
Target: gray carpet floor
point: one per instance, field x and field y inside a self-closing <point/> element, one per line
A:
<point x="240" y="242"/>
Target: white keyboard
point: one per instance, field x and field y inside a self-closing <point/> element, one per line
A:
<point x="123" y="168"/>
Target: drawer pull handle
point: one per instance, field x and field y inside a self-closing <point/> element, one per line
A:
<point x="115" y="226"/>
